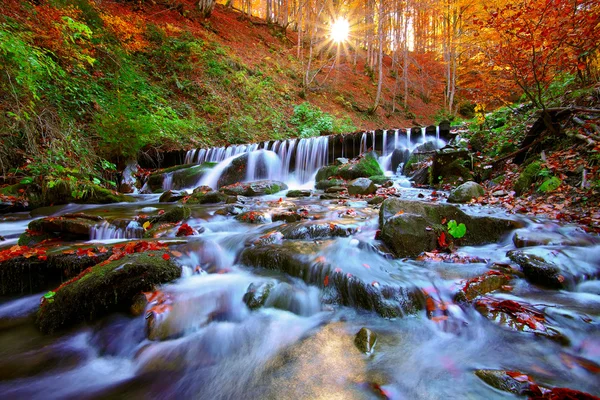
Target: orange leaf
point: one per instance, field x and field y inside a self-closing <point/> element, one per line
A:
<point x="326" y="281"/>
<point x="176" y="253"/>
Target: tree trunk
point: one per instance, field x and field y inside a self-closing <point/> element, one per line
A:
<point x="380" y="57"/>
<point x="205" y="7"/>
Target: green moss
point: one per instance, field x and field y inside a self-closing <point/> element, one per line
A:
<point x="273" y="189"/>
<point x="365" y="167"/>
<point x="212" y="197"/>
<point x="107" y="288"/>
<point x="326" y="184"/>
<point x="379" y="179"/>
<point x="173" y="215"/>
<point x="29" y="240"/>
<point x="527" y="177"/>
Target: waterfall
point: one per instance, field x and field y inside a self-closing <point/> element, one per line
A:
<point x="168" y="182"/>
<point x="384" y="149"/>
<point x="311" y="154"/>
<point x="106" y="231"/>
<point x="263" y="164"/>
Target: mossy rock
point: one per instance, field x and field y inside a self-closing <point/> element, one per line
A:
<point x="183" y="176"/>
<point x="252" y="189"/>
<point x="68" y="226"/>
<point x="466" y="192"/>
<point x="527" y="178"/>
<point x="326" y="184"/>
<point x="380" y="179"/>
<point x="105" y="289"/>
<point x="12" y="190"/>
<point x="450" y="166"/>
<point x="362" y="167"/>
<point x="298" y="193"/>
<point x="174" y="215"/>
<point x="412" y="227"/>
<point x="257" y="294"/>
<point x="62" y="193"/>
<point x="30" y="239"/>
<point x="22" y="275"/>
<point x="211" y="197"/>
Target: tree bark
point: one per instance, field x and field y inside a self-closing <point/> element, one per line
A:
<point x="205" y="7"/>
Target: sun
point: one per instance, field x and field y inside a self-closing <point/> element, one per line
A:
<point x="340" y="30"/>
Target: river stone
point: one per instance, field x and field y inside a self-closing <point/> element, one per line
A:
<point x="481" y="285"/>
<point x="361" y="167"/>
<point x="254" y="217"/>
<point x="466" y="192"/>
<point x="538" y="271"/>
<point x="287" y="216"/>
<point x="107" y="288"/>
<point x="252" y="189"/>
<point x="170" y="196"/>
<point x="501" y="380"/>
<point x="365" y="340"/>
<point x="257" y="294"/>
<point x="325" y="184"/>
<point x="527" y="238"/>
<point x="211" y="197"/>
<point x="335" y="189"/>
<point x="232" y="209"/>
<point x="78" y="225"/>
<point x="316" y="230"/>
<point x="412" y="227"/>
<point x="376" y="200"/>
<point x="341" y="161"/>
<point x="333" y="196"/>
<point x="361" y="186"/>
<point x="174" y="215"/>
<point x="299" y="193"/>
<point x="301" y="259"/>
<point x="449" y="165"/>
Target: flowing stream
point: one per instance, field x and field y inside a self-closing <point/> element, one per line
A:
<point x="299" y="345"/>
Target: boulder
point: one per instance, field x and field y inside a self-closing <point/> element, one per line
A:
<point x="539" y="271"/>
<point x="254" y="217"/>
<point x="527" y="178"/>
<point x="104" y="289"/>
<point x="252" y="189"/>
<point x="232" y="209"/>
<point x="178" y="177"/>
<point x="335" y="189"/>
<point x="237" y="171"/>
<point x="70" y="225"/>
<point x="24" y="275"/>
<point x="412" y="227"/>
<point x="466" y="192"/>
<point x="361" y="186"/>
<point x="171" y="196"/>
<point x="302" y="259"/>
<point x="362" y="167"/>
<point x="316" y="230"/>
<point x="399" y="157"/>
<point x="211" y="197"/>
<point x="172" y="216"/>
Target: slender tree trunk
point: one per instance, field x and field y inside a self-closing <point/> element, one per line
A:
<point x="205" y="7"/>
<point x="380" y="56"/>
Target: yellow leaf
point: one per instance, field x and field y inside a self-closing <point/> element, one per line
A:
<point x="147" y="225"/>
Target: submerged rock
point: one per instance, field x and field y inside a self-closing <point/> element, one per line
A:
<point x="538" y="271"/>
<point x="500" y="380"/>
<point x="361" y="186"/>
<point x="257" y="294"/>
<point x="365" y="340"/>
<point x="412" y="227"/>
<point x="104" y="289"/>
<point x="252" y="189"/>
<point x="481" y="285"/>
<point x="466" y="192"/>
<point x="317" y="230"/>
<point x="170" y="196"/>
<point x="211" y="197"/>
<point x="527" y="238"/>
<point x="299" y="193"/>
<point x="325" y="184"/>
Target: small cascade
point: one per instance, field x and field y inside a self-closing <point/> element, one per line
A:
<point x="373" y="136"/>
<point x="384" y="150"/>
<point x="363" y="143"/>
<point x="213" y="176"/>
<point x="107" y="231"/>
<point x="129" y="176"/>
<point x="263" y="164"/>
<point x="168" y="182"/>
<point x="311" y="154"/>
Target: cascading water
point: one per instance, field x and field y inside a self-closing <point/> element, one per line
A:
<point x="311" y="154"/>
<point x="264" y="164"/>
<point x="107" y="231"/>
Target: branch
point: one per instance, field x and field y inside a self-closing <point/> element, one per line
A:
<point x="515" y="153"/>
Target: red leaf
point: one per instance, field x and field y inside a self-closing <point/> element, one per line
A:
<point x="166" y="256"/>
<point x="442" y="240"/>
<point x="326" y="281"/>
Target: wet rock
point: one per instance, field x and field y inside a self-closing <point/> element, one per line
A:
<point x="254" y="217"/>
<point x="527" y="238"/>
<point x="333" y="196"/>
<point x="538" y="271"/>
<point x="178" y="177"/>
<point x="466" y="192"/>
<point x="412" y="227"/>
<point x="171" y="196"/>
<point x="236" y="172"/>
<point x="299" y="193"/>
<point x="361" y="186"/>
<point x="500" y="380"/>
<point x="301" y="259"/>
<point x="21" y="275"/>
<point x="288" y="216"/>
<point x="362" y="167"/>
<point x="76" y="225"/>
<point x="232" y="209"/>
<point x="138" y="304"/>
<point x="341" y="161"/>
<point x="382" y="180"/>
<point x="335" y="189"/>
<point x="399" y="157"/>
<point x="252" y="189"/>
<point x="211" y="197"/>
<point x="376" y="200"/>
<point x="174" y="215"/>
<point x="365" y="340"/>
<point x="257" y="295"/>
<point x="325" y="184"/>
<point x="519" y="317"/>
<point x="481" y="285"/>
<point x="105" y="289"/>
<point x="32" y="238"/>
<point x="316" y="230"/>
<point x="272" y="237"/>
